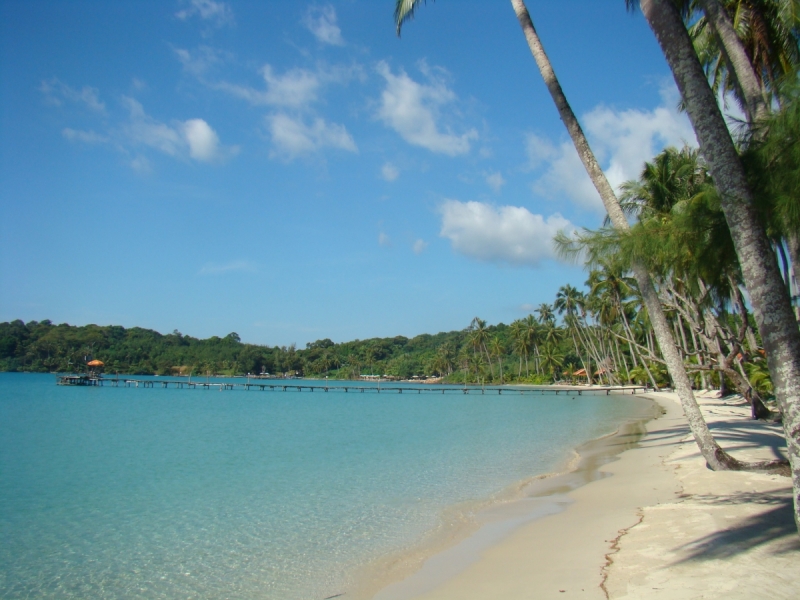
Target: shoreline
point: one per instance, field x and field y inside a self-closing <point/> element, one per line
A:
<point x="656" y="523"/>
<point x="468" y="530"/>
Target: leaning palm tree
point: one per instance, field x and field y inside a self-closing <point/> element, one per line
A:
<point x="771" y="304"/>
<point x="712" y="452"/>
<point x="568" y="301"/>
<point x="747" y="47"/>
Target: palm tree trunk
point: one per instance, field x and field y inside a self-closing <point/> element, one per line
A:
<point x="621" y="356"/>
<point x="711" y="451"/>
<point x="485" y="351"/>
<point x="583" y="362"/>
<point x="771" y="306"/>
<point x="700" y="358"/>
<point x="738" y="62"/>
<point x="682" y="331"/>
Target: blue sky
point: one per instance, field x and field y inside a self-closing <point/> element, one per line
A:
<point x="293" y="171"/>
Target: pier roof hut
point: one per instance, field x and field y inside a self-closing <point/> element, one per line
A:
<point x="95" y="365"/>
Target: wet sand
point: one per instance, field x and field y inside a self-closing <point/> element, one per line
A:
<point x="449" y="556"/>
<point x="651" y="522"/>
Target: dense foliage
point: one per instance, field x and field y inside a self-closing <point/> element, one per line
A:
<point x="45" y="347"/>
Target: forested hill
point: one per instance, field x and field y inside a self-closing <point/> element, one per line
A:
<point x="45" y="347"/>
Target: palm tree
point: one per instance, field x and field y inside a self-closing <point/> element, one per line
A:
<point x="479" y="337"/>
<point x="546" y="313"/>
<point x="521" y="331"/>
<point x="552" y="359"/>
<point x="533" y="332"/>
<point x="711" y="451"/>
<point x="771" y="304"/>
<point x="442" y="361"/>
<point x="497" y="350"/>
<point x="520" y="342"/>
<point x="476" y="363"/>
<point x="750" y="47"/>
<point x="568" y="300"/>
<point x="726" y="60"/>
<point x="746" y="47"/>
<point x="324" y="362"/>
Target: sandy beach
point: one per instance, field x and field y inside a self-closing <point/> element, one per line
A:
<point x="653" y="522"/>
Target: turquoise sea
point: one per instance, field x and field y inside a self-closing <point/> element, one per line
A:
<point x="167" y="493"/>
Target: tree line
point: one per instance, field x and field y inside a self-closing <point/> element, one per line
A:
<point x="480" y="353"/>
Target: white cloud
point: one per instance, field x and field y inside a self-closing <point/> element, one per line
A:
<point x="140" y="164"/>
<point x="56" y="92"/>
<point x="495" y="181"/>
<point x="630" y="137"/>
<point x="622" y="141"/>
<point x="389" y="172"/>
<point x="204" y="142"/>
<point x="292" y="137"/>
<point x="198" y="62"/>
<point x="564" y="174"/>
<point x="539" y="150"/>
<point x="412" y="109"/>
<point x="143" y="129"/>
<point x="321" y="22"/>
<point x="508" y="234"/>
<point x="297" y="88"/>
<point x="194" y="137"/>
<point x="383" y="239"/>
<point x="419" y="246"/>
<point x="220" y="13"/>
<point x="216" y="268"/>
<point x="87" y="137"/>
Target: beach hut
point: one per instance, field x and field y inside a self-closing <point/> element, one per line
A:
<point x="95" y="365"/>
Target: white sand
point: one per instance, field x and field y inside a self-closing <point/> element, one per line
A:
<point x="661" y="526"/>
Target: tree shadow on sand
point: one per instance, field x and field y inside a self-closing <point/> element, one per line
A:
<point x="774" y="524"/>
<point x="750" y="434"/>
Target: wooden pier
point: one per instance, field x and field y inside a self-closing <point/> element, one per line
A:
<point x="94" y="381"/>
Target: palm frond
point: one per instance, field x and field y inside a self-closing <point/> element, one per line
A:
<point x="403" y="11"/>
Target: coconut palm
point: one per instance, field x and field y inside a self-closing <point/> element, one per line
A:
<point x="552" y="359"/>
<point x="746" y="47"/>
<point x="568" y="302"/>
<point x="497" y="350"/>
<point x="533" y="331"/>
<point x="479" y="337"/>
<point x="771" y="304"/>
<point x="522" y="346"/>
<point x="546" y="313"/>
<point x="478" y="364"/>
<point x="442" y="361"/>
<point x="519" y="341"/>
